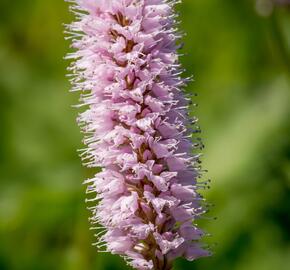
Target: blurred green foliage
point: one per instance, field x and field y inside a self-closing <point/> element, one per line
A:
<point x="241" y="66"/>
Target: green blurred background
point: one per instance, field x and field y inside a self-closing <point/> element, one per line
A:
<point x="239" y="53"/>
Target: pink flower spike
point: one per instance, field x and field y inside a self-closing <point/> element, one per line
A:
<point x="137" y="129"/>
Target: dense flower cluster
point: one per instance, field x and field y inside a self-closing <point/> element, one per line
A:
<point x="137" y="128"/>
